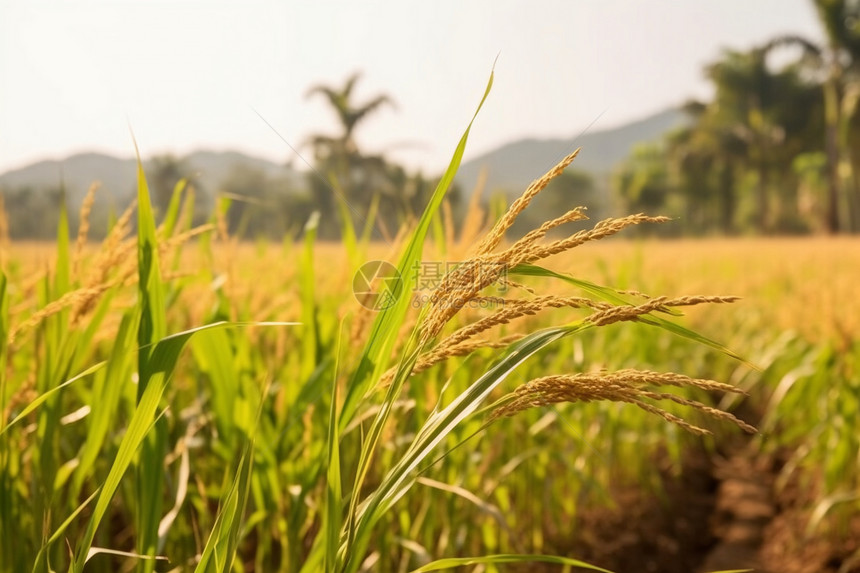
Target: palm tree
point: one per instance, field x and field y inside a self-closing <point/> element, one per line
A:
<point x="841" y="22"/>
<point x="761" y="120"/>
<point x="355" y="175"/>
<point x="349" y="114"/>
<point x="704" y="159"/>
<point x="839" y="58"/>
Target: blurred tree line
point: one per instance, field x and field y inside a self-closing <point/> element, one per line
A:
<point x="374" y="193"/>
<point x="776" y="149"/>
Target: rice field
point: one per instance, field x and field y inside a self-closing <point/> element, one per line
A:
<point x="176" y="400"/>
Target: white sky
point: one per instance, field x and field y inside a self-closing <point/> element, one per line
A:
<point x="188" y="74"/>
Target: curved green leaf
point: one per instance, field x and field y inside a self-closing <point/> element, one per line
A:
<point x="506" y="558"/>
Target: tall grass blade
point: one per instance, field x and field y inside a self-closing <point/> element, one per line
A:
<point x="163" y="357"/>
<point x="505" y="558"/>
<point x="151" y="328"/>
<point x="107" y="390"/>
<point x="333" y="509"/>
<point x="7" y="485"/>
<point x="53" y="363"/>
<point x="220" y="549"/>
<point x="172" y="214"/>
<point x="40" y="563"/>
<point x="347" y="229"/>
<point x="307" y="278"/>
<point x="224" y="538"/>
<point x="42" y="398"/>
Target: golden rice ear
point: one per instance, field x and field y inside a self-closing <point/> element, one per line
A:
<point x="113" y="249"/>
<point x="527" y="253"/>
<point x="73" y="298"/>
<point x="511" y="309"/>
<point x="621" y="386"/>
<point x="84" y="227"/>
<point x="577" y="214"/>
<point x="475" y="215"/>
<point x="631" y="313"/>
<point x="440" y="354"/>
<point x="495" y="236"/>
<point x="463" y="284"/>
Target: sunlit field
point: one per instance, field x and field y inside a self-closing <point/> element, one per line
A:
<point x="286" y="328"/>
<point x="234" y="460"/>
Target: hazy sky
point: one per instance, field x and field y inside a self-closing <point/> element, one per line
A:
<point x="189" y="74"/>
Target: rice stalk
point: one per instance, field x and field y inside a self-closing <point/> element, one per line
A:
<point x="463" y="286"/>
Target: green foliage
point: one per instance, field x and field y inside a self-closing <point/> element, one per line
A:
<point x="643" y="182"/>
<point x="731" y="171"/>
<point x="285" y="449"/>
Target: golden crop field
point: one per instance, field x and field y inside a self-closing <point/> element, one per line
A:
<point x="177" y="400"/>
<point x="805" y="284"/>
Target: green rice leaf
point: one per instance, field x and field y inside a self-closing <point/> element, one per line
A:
<point x="347" y="228"/>
<point x="220" y="549"/>
<point x="63" y="273"/>
<point x="7" y="450"/>
<point x="506" y="558"/>
<point x="333" y="517"/>
<point x="307" y="277"/>
<point x="224" y="539"/>
<point x="163" y="357"/>
<point x="40" y="562"/>
<point x="41" y="398"/>
<point x="372" y="213"/>
<point x="151" y="328"/>
<point x="172" y="213"/>
<point x="602" y="292"/>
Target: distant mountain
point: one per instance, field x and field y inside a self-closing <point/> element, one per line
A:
<point x="77" y="173"/>
<point x="513" y="166"/>
<point x="118" y="175"/>
<point x="213" y="167"/>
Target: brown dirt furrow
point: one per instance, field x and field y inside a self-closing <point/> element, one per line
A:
<point x="744" y="508"/>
